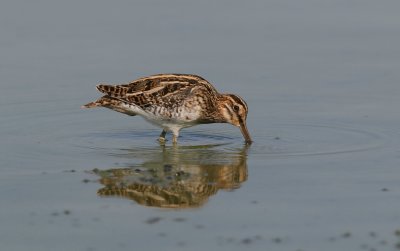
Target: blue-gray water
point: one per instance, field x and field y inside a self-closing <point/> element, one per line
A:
<point x="321" y="78"/>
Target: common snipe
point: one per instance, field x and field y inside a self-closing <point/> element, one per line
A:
<point x="173" y="102"/>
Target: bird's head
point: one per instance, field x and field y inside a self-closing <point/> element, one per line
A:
<point x="234" y="111"/>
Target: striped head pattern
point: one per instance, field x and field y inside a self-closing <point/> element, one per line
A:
<point x="234" y="111"/>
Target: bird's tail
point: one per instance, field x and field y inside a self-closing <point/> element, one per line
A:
<point x="115" y="91"/>
<point x="90" y="105"/>
<point x="113" y="104"/>
<point x="101" y="102"/>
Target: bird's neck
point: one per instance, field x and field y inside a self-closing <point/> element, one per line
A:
<point x="222" y="100"/>
<point x="215" y="114"/>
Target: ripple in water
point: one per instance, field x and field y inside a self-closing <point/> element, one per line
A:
<point x="275" y="140"/>
<point x="315" y="139"/>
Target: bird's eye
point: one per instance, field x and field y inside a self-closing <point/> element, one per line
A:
<point x="236" y="108"/>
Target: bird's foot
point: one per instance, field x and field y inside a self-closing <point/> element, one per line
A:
<point x="162" y="140"/>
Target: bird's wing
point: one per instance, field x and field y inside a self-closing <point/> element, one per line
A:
<point x="147" y="91"/>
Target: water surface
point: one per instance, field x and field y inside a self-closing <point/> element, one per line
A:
<point x="322" y="82"/>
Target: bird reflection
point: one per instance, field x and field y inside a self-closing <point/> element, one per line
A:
<point x="176" y="176"/>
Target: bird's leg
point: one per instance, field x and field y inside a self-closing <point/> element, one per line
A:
<point x="162" y="139"/>
<point x="175" y="137"/>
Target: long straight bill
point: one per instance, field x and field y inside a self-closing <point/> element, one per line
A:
<point x="246" y="134"/>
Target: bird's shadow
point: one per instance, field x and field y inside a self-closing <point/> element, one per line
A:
<point x="174" y="176"/>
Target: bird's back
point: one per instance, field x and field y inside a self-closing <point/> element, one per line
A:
<point x="158" y="86"/>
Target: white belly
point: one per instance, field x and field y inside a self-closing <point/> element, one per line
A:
<point x="172" y="121"/>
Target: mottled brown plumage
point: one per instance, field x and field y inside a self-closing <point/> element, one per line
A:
<point x="173" y="102"/>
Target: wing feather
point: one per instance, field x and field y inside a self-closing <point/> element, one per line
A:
<point x="160" y="88"/>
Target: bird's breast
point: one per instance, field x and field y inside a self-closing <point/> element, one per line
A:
<point x="178" y="114"/>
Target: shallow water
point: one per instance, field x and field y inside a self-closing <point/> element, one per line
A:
<point x="322" y="82"/>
